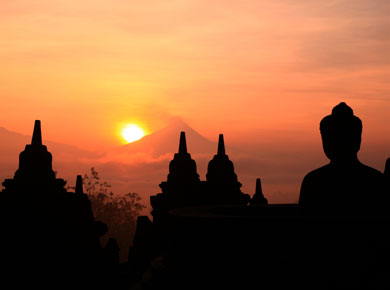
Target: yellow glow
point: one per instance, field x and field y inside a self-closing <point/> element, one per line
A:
<point x="132" y="133"/>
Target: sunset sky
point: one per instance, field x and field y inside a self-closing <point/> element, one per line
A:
<point x="257" y="71"/>
<point x="115" y="82"/>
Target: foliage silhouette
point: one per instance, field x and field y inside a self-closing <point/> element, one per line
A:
<point x="118" y="212"/>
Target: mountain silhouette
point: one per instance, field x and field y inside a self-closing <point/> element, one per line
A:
<point x="166" y="141"/>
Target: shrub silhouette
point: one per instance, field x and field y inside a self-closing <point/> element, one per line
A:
<point x="118" y="212"/>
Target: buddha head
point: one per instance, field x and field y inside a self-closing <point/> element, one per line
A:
<point x="341" y="133"/>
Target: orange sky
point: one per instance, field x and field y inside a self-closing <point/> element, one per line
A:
<point x="255" y="70"/>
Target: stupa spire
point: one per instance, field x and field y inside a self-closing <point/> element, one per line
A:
<point x="183" y="143"/>
<point x="221" y="145"/>
<point x="387" y="167"/>
<point x="79" y="185"/>
<point x="37" y="135"/>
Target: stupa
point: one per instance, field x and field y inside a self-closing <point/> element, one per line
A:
<point x="222" y="183"/>
<point x="35" y="172"/>
<point x="46" y="223"/>
<point x="182" y="183"/>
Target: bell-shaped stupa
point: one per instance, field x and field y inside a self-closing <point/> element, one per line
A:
<point x="44" y="222"/>
<point x="35" y="170"/>
<point x="222" y="182"/>
<point x="182" y="169"/>
<point x="182" y="183"/>
<point x="220" y="168"/>
<point x="258" y="198"/>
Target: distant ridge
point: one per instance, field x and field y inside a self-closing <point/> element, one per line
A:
<point x="12" y="143"/>
<point x="68" y="160"/>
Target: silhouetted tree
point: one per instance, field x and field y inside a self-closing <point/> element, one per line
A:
<point x="118" y="212"/>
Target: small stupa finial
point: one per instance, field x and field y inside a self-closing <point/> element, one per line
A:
<point x="387" y="167"/>
<point x="37" y="135"/>
<point x="183" y="143"/>
<point x="221" y="145"/>
<point x="258" y="198"/>
<point x="258" y="190"/>
<point x="79" y="185"/>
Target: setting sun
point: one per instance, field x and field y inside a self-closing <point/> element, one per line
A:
<point x="132" y="133"/>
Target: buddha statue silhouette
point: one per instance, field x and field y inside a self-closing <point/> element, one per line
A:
<point x="345" y="183"/>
